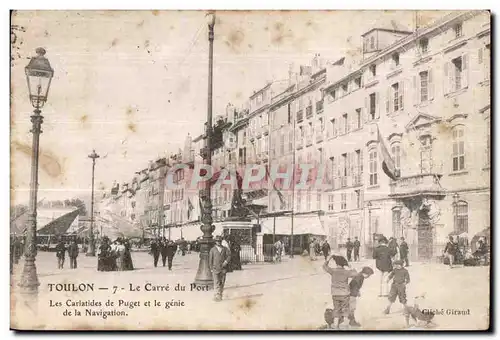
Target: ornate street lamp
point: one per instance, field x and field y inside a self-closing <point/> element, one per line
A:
<point x="39" y="74"/>
<point x="204" y="274"/>
<point x="91" y="251"/>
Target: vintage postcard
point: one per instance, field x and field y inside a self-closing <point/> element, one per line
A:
<point x="250" y="170"/>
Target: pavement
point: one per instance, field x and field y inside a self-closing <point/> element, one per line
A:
<point x="291" y="295"/>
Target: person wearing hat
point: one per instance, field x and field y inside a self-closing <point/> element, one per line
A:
<point x="400" y="278"/>
<point x="383" y="262"/>
<point x="355" y="287"/>
<point x="218" y="260"/>
<point x="339" y="287"/>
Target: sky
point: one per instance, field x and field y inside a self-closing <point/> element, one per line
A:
<point x="133" y="84"/>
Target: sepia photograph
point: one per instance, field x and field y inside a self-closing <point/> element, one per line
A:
<point x="250" y="170"/>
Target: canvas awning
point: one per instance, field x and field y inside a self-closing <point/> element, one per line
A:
<point x="303" y="225"/>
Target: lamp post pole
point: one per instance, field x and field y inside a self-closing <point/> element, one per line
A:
<point x="204" y="274"/>
<point x="39" y="74"/>
<point x="91" y="251"/>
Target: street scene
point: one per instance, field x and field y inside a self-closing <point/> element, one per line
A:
<point x="334" y="175"/>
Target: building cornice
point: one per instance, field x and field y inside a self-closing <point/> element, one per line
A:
<point x="446" y="20"/>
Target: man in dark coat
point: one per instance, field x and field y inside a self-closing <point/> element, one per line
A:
<point x="349" y="246"/>
<point x="155" y="251"/>
<point x="235" y="254"/>
<point x="218" y="260"/>
<point x="73" y="254"/>
<point x="171" y="250"/>
<point x="403" y="252"/>
<point x="163" y="250"/>
<point x="383" y="262"/>
<point x="393" y="247"/>
<point x="356" y="246"/>
<point x="60" y="253"/>
<point x="325" y="248"/>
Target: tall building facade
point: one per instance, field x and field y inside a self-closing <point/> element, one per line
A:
<point x="423" y="95"/>
<point x="427" y="96"/>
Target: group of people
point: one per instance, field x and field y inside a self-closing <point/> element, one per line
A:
<point x="166" y="248"/>
<point x="73" y="251"/>
<point x="114" y="256"/>
<point x="344" y="292"/>
<point x="346" y="283"/>
<point x="352" y="246"/>
<point x="457" y="251"/>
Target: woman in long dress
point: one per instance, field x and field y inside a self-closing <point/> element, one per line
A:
<point x="104" y="255"/>
<point x="120" y="255"/>
<point x="128" y="265"/>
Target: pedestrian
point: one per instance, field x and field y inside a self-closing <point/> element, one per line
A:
<point x="60" y="253"/>
<point x="356" y="245"/>
<point x="155" y="251"/>
<point x="120" y="255"/>
<point x="339" y="287"/>
<point x="127" y="256"/>
<point x="73" y="254"/>
<point x="278" y="250"/>
<point x="383" y="262"/>
<point x="218" y="260"/>
<point x="354" y="289"/>
<point x="188" y="247"/>
<point x="450" y="250"/>
<point x="163" y="250"/>
<point x="226" y="243"/>
<point x="312" y="250"/>
<point x="171" y="250"/>
<point x="403" y="252"/>
<point x="18" y="249"/>
<point x="325" y="248"/>
<point x="393" y="247"/>
<point x="400" y="278"/>
<point x="235" y="254"/>
<point x="103" y="258"/>
<point x="349" y="246"/>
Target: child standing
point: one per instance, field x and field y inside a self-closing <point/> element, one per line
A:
<point x="339" y="287"/>
<point x="400" y="278"/>
<point x="355" y="287"/>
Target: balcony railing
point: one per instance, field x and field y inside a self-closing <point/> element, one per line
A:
<point x="417" y="185"/>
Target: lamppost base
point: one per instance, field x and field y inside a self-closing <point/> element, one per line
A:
<point x="204" y="276"/>
<point x="28" y="285"/>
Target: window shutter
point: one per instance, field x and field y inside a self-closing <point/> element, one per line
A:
<point x="353" y="163"/>
<point x="446" y="78"/>
<point x="416" y="91"/>
<point x="430" y="84"/>
<point x="388" y="100"/>
<point x="402" y="86"/>
<point x="451" y="77"/>
<point x="465" y="70"/>
<point x="480" y="56"/>
<point x="366" y="110"/>
<point x="377" y="104"/>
